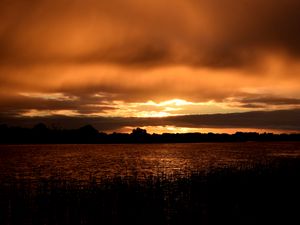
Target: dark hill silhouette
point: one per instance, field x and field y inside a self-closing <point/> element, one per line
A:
<point x="40" y="133"/>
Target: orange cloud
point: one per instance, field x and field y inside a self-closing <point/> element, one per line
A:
<point x="135" y="58"/>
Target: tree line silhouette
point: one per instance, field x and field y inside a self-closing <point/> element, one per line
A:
<point x="41" y="134"/>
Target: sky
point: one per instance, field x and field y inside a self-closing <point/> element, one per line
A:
<point x="165" y="65"/>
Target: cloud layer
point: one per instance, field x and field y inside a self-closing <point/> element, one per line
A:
<point x="212" y="33"/>
<point x="282" y="121"/>
<point x="111" y="58"/>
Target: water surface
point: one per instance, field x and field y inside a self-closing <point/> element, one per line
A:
<point x="81" y="161"/>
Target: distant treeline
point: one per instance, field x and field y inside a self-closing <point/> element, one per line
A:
<point x="41" y="134"/>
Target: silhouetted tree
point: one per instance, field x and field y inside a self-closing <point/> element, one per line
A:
<point x="140" y="135"/>
<point x="88" y="130"/>
<point x="139" y="132"/>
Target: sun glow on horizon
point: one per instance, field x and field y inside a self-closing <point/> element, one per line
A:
<point x="172" y="107"/>
<point x="181" y="130"/>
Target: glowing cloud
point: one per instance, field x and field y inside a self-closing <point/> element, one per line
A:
<point x="97" y="58"/>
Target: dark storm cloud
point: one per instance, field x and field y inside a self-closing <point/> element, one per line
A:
<point x="229" y="33"/>
<point x="264" y="101"/>
<point x="279" y="120"/>
<point x="283" y="119"/>
<point x="19" y="104"/>
<point x="271" y="100"/>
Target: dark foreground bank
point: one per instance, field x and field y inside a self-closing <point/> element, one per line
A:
<point x="259" y="194"/>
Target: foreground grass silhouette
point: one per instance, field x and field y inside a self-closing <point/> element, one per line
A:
<point x="258" y="194"/>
